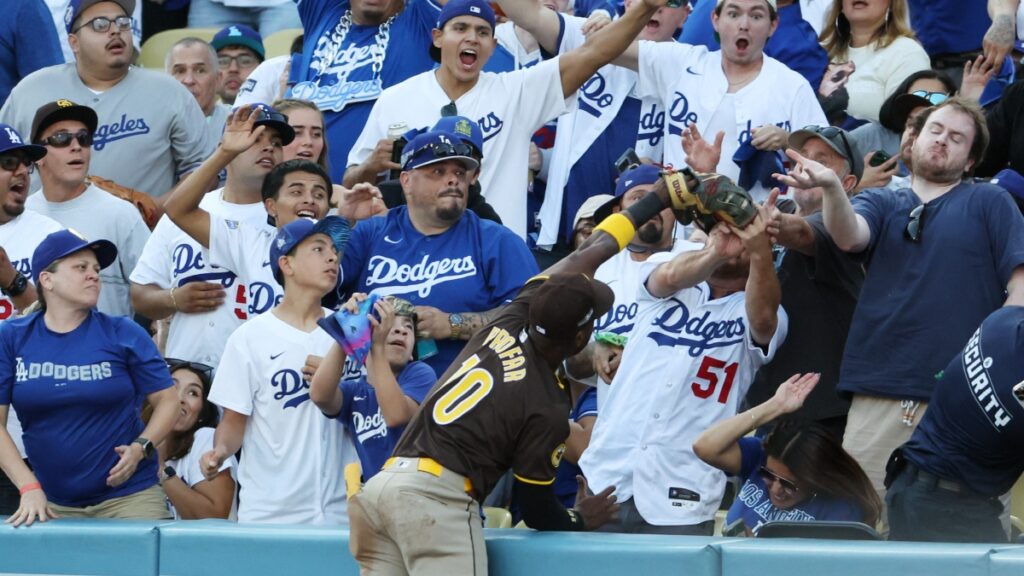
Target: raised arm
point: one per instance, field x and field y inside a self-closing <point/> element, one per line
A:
<point x="688" y="269"/>
<point x="998" y="40"/>
<point x="763" y="292"/>
<point x="323" y="390"/>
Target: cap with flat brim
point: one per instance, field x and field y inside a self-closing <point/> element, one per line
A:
<point x="239" y="35"/>
<point x="568" y="303"/>
<point x="11" y="141"/>
<point x="64" y="243"/>
<point x="76" y="7"/>
<point x="641" y="175"/>
<point x="904" y="104"/>
<point x="50" y="113"/>
<point x="293" y="233"/>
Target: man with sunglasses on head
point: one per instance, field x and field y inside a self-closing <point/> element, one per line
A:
<point x="66" y="130"/>
<point x="150" y="130"/>
<point x="941" y="234"/>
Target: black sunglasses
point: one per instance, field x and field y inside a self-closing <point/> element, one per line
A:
<point x="769" y="477"/>
<point x="916" y="224"/>
<point x="449" y="109"/>
<point x="933" y="98"/>
<point x="10" y="162"/>
<point x="63" y="139"/>
<point x="101" y="24"/>
<point x="174" y="364"/>
<point x="829" y="133"/>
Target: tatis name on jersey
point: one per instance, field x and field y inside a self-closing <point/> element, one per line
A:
<point x="699" y="333"/>
<point x="976" y="368"/>
<point x="507" y="348"/>
<point x="83" y="372"/>
<point x="291" y="385"/>
<point x="426" y="273"/>
<point x="369" y="426"/>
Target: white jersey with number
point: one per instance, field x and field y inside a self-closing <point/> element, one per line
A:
<point x="172" y="258"/>
<point x="244" y="248"/>
<point x="509" y="107"/>
<point x="292" y="456"/>
<point x="688" y="364"/>
<point x="19" y="238"/>
<point x="691" y="83"/>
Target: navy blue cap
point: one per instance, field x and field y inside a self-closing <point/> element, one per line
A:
<point x="239" y="35"/>
<point x="636" y="176"/>
<point x="290" y="235"/>
<point x="64" y="243"/>
<point x="467" y="130"/>
<point x="10" y="141"/>
<point x="1011" y="181"/>
<point x="274" y="119"/>
<point x="76" y="7"/>
<point x="436" y="146"/>
<point x="456" y="8"/>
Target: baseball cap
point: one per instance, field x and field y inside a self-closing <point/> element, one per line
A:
<point x="10" y="141"/>
<point x="1011" y="181"/>
<point x="293" y="233"/>
<point x="565" y="303"/>
<point x="50" y="113"/>
<point x="636" y="176"/>
<point x="267" y="116"/>
<point x="903" y="104"/>
<point x="456" y="8"/>
<point x="76" y="7"/>
<point x="436" y="146"/>
<point x="467" y="130"/>
<point x="239" y="35"/>
<point x="589" y="208"/>
<point x="64" y="243"/>
<point x="837" y="139"/>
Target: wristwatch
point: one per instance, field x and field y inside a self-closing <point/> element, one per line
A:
<point x="17" y="287"/>
<point x="168" y="473"/>
<point x="455" y="321"/>
<point x="147" y="446"/>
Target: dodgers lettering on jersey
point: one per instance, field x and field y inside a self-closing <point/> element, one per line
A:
<point x="118" y="130"/>
<point x="675" y="327"/>
<point x="386" y="276"/>
<point x="290" y="386"/>
<point x="652" y="125"/>
<point x="69" y="373"/>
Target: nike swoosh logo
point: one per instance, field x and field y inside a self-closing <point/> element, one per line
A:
<point x="390" y="241"/>
<point x="266" y="264"/>
<point x="358" y="398"/>
<point x="689" y="70"/>
<point x="276" y="356"/>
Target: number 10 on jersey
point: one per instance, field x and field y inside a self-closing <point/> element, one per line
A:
<point x="467" y="388"/>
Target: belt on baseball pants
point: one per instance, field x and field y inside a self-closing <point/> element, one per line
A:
<point x="432" y="467"/>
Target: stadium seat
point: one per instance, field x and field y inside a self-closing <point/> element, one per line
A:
<point x="823" y="530"/>
<point x="280" y="43"/>
<point x="1017" y="499"/>
<point x="154" y="50"/>
<point x="497" y="517"/>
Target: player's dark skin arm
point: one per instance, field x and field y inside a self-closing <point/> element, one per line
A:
<point x="433" y="322"/>
<point x="543" y="511"/>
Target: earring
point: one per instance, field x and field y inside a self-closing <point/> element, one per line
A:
<point x="887" y="11"/>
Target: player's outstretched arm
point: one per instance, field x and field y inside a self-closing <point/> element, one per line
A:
<point x="763" y="292"/>
<point x="578" y="66"/>
<point x="539" y="20"/>
<point x="542" y="510"/>
<point x="182" y="205"/>
<point x="323" y="390"/>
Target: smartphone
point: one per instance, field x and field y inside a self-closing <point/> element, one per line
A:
<point x="628" y="160"/>
<point x="878" y="158"/>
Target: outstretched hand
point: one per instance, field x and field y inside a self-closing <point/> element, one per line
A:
<point x="595" y="510"/>
<point x="807" y="173"/>
<point x="362" y="201"/>
<point x="791" y="394"/>
<point x="702" y="155"/>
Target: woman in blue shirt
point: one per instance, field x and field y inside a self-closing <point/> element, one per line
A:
<point x="798" y="473"/>
<point x="77" y="378"/>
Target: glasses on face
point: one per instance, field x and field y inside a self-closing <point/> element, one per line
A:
<point x="243" y="61"/>
<point x="63" y="139"/>
<point x="174" y="364"/>
<point x="829" y="133"/>
<point x="10" y="162"/>
<point x="788" y="487"/>
<point x="101" y="24"/>
<point x="449" y="109"/>
<point x="916" y="224"/>
<point x="933" y="98"/>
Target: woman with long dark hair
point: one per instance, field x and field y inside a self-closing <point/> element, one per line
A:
<point x="798" y="472"/>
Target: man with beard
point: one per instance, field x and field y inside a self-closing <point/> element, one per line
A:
<point x="940" y="234"/>
<point x="655" y="241"/>
<point x="452" y="265"/>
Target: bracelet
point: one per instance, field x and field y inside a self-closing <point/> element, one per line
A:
<point x="30" y="487"/>
<point x="618" y="227"/>
<point x="173" y="301"/>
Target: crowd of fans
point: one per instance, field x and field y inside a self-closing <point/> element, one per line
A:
<point x="171" y="243"/>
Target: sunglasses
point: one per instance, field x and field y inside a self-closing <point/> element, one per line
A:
<point x="243" y="61"/>
<point x="788" y="486"/>
<point x="830" y="133"/>
<point x="101" y="24"/>
<point x="63" y="139"/>
<point x="449" y="109"/>
<point x="916" y="224"/>
<point x="933" y="98"/>
<point x="446" y="149"/>
<point x="10" y="163"/>
<point x="174" y="364"/>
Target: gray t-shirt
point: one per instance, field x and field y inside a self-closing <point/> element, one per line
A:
<point x="151" y="130"/>
<point x="215" y="122"/>
<point x="99" y="215"/>
<point x="873" y="136"/>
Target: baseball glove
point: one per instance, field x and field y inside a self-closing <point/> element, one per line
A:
<point x="142" y="202"/>
<point x="706" y="199"/>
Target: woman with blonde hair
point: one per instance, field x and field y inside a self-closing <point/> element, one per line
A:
<point x="871" y="50"/>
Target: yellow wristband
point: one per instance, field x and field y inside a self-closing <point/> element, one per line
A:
<point x="619" y="227"/>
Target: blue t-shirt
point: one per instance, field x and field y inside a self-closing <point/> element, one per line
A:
<point x="334" y="83"/>
<point x="922" y="300"/>
<point x="949" y="26"/>
<point x="79" y="395"/>
<point x="794" y="42"/>
<point x="28" y="42"/>
<point x="474" y="266"/>
<point x="360" y="412"/>
<point x="565" y="475"/>
<point x="754" y="507"/>
<point x="974" y="427"/>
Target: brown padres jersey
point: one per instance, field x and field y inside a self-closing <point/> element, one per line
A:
<point x="498" y="406"/>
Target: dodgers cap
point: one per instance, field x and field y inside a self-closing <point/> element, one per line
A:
<point x="456" y="8"/>
<point x="239" y="35"/>
<point x="467" y="130"/>
<point x="11" y="141"/>
<point x="636" y="176"/>
<point x="267" y="116"/>
<point x="435" y="146"/>
<point x="64" y="243"/>
<point x="292" y="234"/>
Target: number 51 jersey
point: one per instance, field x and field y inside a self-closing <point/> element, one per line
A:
<point x="688" y="364"/>
<point x="498" y="406"/>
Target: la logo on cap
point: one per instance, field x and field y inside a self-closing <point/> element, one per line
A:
<point x="12" y="136"/>
<point x="233" y="31"/>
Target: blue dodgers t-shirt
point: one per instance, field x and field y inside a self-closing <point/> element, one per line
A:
<point x="565" y="475"/>
<point x="974" y="427"/>
<point x="360" y="412"/>
<point x="337" y="78"/>
<point x="474" y="266"/>
<point x="754" y="507"/>
<point x="949" y="26"/>
<point x="28" y="42"/>
<point x="922" y="300"/>
<point x="79" y="395"/>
